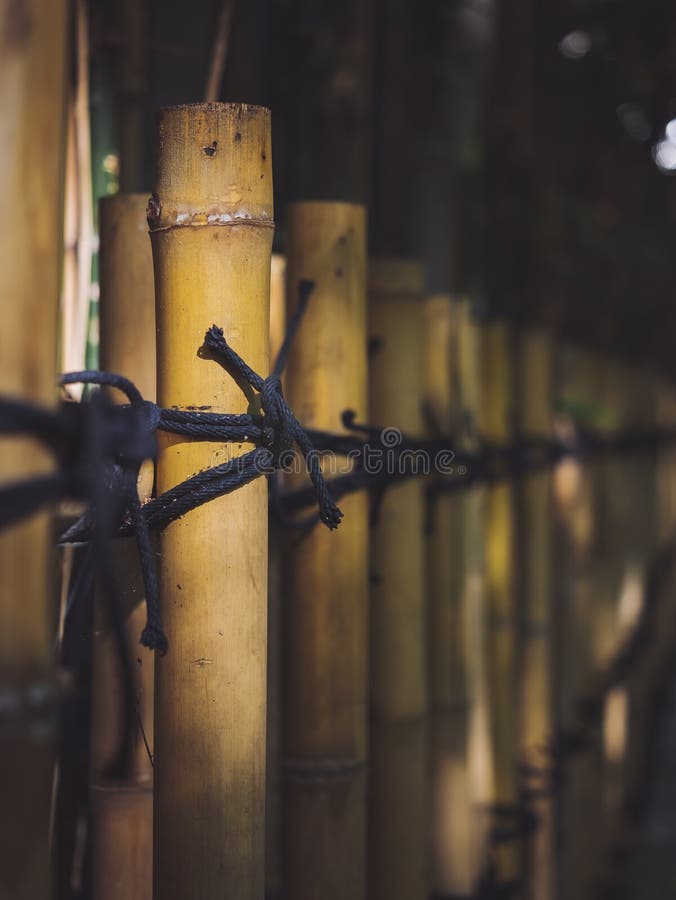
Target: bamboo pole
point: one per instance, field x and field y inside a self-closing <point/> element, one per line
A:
<point x="79" y="218"/>
<point x="576" y="493"/>
<point x="439" y="369"/>
<point x="32" y="102"/>
<point x="451" y="868"/>
<point x="474" y="613"/>
<point x="211" y="231"/>
<point x="277" y="303"/>
<point x="399" y="814"/>
<point x="496" y="425"/>
<point x="273" y="822"/>
<point x="122" y="811"/>
<point x="637" y="545"/>
<point x="657" y="661"/>
<point x="325" y="737"/>
<point x="536" y="679"/>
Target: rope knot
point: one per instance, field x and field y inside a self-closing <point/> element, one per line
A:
<point x="283" y="430"/>
<point x="282" y="422"/>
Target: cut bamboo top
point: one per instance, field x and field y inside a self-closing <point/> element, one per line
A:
<point x="396" y="277"/>
<point x="217" y="167"/>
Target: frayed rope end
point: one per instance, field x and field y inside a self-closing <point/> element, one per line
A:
<point x="155" y="639"/>
<point x="331" y="516"/>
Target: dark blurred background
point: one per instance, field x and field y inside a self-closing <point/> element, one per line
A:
<point x="522" y="149"/>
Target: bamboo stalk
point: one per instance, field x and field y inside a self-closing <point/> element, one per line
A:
<point x="451" y="869"/>
<point x="32" y="103"/>
<point x="211" y="232"/>
<point x="576" y="492"/>
<point x="474" y="612"/>
<point x="79" y="216"/>
<point x="122" y="811"/>
<point x="496" y="425"/>
<point x="399" y="814"/>
<point x="628" y="705"/>
<point x="445" y="664"/>
<point x="645" y="681"/>
<point x="327" y="574"/>
<point x="273" y="821"/>
<point x="536" y="678"/>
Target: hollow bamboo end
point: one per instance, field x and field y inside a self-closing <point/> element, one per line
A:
<point x="214" y="166"/>
<point x="396" y="276"/>
<point x="234" y="109"/>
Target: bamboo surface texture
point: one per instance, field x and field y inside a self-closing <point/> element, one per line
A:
<point x="32" y="112"/>
<point x="398" y="809"/>
<point x="537" y="585"/>
<point x="211" y="228"/>
<point x="122" y="811"/>
<point x="496" y="425"/>
<point x="325" y="634"/>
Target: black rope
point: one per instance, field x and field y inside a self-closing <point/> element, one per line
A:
<point x="99" y="448"/>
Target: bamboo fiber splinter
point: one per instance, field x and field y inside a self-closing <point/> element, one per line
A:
<point x="32" y="99"/>
<point x="122" y="812"/>
<point x="398" y="824"/>
<point x="327" y="573"/>
<point x="211" y="228"/>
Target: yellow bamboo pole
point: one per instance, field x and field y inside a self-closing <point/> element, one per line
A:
<point x="211" y="230"/>
<point x="79" y="227"/>
<point x="325" y="735"/>
<point x="273" y="823"/>
<point x="474" y="611"/>
<point x="399" y="814"/>
<point x="451" y="871"/>
<point x="277" y="303"/>
<point x="536" y="684"/>
<point x="32" y="101"/>
<point x="122" y="811"/>
<point x="496" y="425"/>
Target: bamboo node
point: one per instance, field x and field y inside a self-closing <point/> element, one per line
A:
<point x="164" y="218"/>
